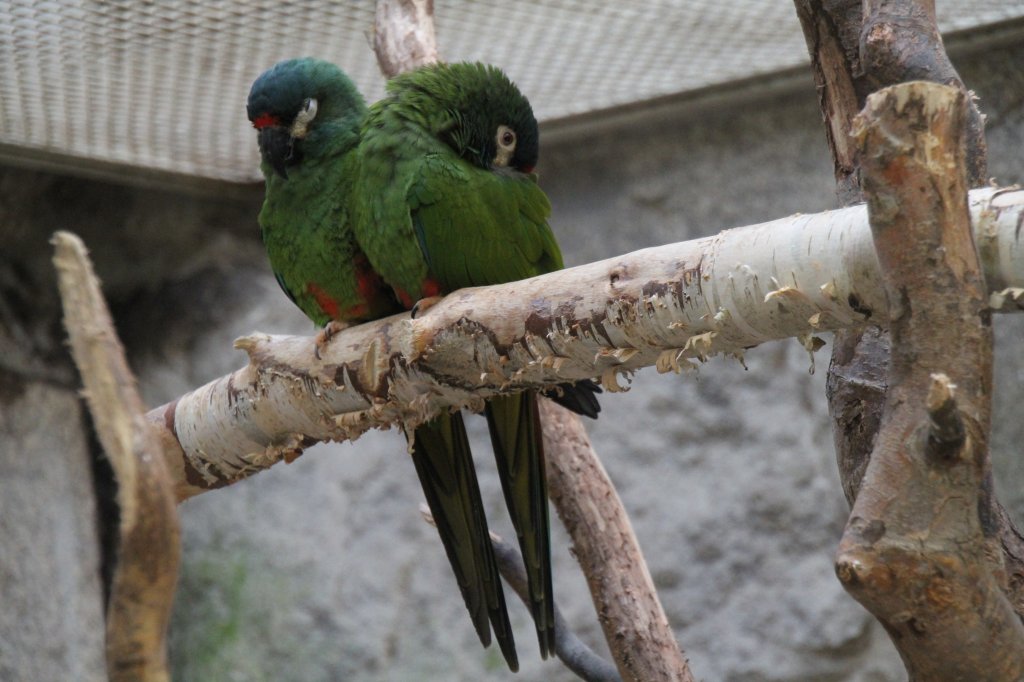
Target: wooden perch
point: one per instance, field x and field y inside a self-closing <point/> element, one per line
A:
<point x="667" y="307"/>
<point x="922" y="550"/>
<point x="144" y="579"/>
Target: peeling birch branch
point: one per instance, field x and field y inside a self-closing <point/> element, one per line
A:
<point x="669" y="307"/>
<point x="144" y="579"/>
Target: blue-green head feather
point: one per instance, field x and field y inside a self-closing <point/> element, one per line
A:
<point x="303" y="107"/>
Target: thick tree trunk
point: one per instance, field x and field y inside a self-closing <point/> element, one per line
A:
<point x="856" y="47"/>
<point x="922" y="550"/>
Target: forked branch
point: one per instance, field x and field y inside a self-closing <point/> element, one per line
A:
<point x="922" y="548"/>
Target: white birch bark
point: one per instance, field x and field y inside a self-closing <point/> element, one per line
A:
<point x="667" y="306"/>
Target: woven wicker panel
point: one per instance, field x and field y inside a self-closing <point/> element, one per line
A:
<point x="162" y="84"/>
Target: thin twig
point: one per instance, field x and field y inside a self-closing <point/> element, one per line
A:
<point x="569" y="648"/>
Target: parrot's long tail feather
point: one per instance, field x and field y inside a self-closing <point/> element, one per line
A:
<point x="444" y="464"/>
<point x="580" y="397"/>
<point x="515" y="428"/>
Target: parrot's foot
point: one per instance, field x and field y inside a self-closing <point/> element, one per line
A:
<point x="424" y="304"/>
<point x="326" y="334"/>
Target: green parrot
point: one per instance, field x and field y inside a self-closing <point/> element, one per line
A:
<point x="446" y="199"/>
<point x="310" y="118"/>
<point x="307" y="113"/>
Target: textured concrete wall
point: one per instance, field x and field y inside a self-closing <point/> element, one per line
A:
<point x="51" y="620"/>
<point x="323" y="570"/>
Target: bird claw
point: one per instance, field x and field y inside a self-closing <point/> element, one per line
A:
<point x="326" y="334"/>
<point x="425" y="304"/>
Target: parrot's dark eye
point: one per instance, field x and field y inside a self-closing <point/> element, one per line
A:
<point x="506" y="143"/>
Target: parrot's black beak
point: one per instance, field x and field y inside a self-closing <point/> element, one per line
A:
<point x="277" y="148"/>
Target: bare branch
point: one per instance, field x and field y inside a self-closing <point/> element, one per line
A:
<point x="147" y="567"/>
<point x="404" y="36"/>
<point x="831" y="30"/>
<point x="921" y="550"/>
<point x="900" y="42"/>
<point x="856" y="47"/>
<point x="634" y="623"/>
<point x="570" y="650"/>
<point x="857" y="380"/>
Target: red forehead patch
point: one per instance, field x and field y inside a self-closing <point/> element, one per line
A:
<point x="264" y="120"/>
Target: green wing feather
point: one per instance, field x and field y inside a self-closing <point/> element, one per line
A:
<point x="480" y="227"/>
<point x="306" y="224"/>
<point x="389" y="158"/>
<point x="477" y="228"/>
<point x="445" y="467"/>
<point x="514" y="424"/>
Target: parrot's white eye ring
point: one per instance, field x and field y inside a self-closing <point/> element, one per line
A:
<point x="305" y="116"/>
<point x="505" y="140"/>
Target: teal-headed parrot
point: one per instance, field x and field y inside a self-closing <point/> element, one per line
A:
<point x="447" y="198"/>
<point x="307" y="114"/>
